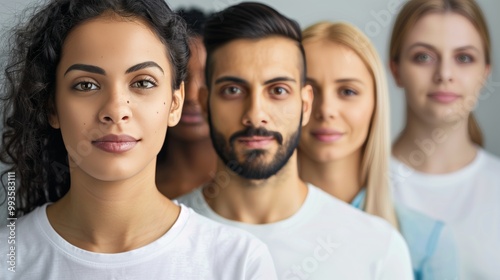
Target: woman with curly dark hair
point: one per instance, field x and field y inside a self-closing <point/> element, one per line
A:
<point x="91" y="88"/>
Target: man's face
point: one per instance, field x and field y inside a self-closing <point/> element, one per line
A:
<point x="257" y="104"/>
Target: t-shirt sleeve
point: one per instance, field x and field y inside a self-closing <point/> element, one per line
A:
<point x="397" y="264"/>
<point x="260" y="264"/>
<point x="443" y="263"/>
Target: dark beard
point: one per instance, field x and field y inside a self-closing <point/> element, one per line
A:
<point x="253" y="166"/>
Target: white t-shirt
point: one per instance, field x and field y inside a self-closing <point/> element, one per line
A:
<point x="325" y="239"/>
<point x="468" y="201"/>
<point x="194" y="248"/>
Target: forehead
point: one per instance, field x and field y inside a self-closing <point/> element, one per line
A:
<point x="113" y="41"/>
<point x="449" y="30"/>
<point x="329" y="59"/>
<point x="258" y="60"/>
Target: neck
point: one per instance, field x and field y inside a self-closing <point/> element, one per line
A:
<point x="340" y="178"/>
<point x="188" y="165"/>
<point x="112" y="217"/>
<point x="432" y="148"/>
<point x="256" y="201"/>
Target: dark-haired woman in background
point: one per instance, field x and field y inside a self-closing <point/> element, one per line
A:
<point x="187" y="158"/>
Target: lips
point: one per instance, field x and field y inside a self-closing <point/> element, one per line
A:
<point x="115" y="143"/>
<point x="191" y="115"/>
<point x="327" y="135"/>
<point x="256" y="142"/>
<point x="443" y="97"/>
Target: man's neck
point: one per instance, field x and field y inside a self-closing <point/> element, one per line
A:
<point x="256" y="201"/>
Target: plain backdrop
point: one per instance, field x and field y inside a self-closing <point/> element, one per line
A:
<point x="374" y="17"/>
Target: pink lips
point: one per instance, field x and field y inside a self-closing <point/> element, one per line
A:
<point x="256" y="142"/>
<point x="327" y="135"/>
<point x="443" y="97"/>
<point x="115" y="143"/>
<point x="191" y="115"/>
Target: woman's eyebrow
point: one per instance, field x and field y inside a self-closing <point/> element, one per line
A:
<point x="86" y="68"/>
<point x="144" y="65"/>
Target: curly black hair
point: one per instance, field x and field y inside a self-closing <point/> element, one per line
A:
<point x="30" y="146"/>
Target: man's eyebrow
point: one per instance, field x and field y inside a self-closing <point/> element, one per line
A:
<point x="280" y="79"/>
<point x="231" y="79"/>
<point x="86" y="68"/>
<point x="143" y="65"/>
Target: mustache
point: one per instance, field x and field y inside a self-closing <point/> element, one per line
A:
<point x="256" y="131"/>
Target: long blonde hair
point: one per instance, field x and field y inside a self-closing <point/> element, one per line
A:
<point x="375" y="158"/>
<point x="414" y="10"/>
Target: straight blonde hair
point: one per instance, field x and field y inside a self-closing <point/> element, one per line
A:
<point x="376" y="151"/>
<point x="414" y="10"/>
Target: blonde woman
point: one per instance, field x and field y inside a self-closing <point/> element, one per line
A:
<point x="440" y="54"/>
<point x="345" y="148"/>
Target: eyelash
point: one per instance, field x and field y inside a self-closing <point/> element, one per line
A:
<point x="145" y="79"/>
<point x="469" y="57"/>
<point x="342" y="92"/>
<point x="79" y="84"/>
<point x="418" y="56"/>
<point x="228" y="94"/>
<point x="280" y="95"/>
<point x="431" y="58"/>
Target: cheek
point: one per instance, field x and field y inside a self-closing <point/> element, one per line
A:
<point x="360" y="119"/>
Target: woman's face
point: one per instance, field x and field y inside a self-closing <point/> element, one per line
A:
<point x="193" y="126"/>
<point x="114" y="98"/>
<point x="344" y="100"/>
<point x="442" y="68"/>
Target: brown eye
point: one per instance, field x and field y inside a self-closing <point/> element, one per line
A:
<point x="279" y="91"/>
<point x="144" y="84"/>
<point x="231" y="91"/>
<point x="85" y="86"/>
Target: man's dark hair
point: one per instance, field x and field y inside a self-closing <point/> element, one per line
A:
<point x="248" y="20"/>
<point x="195" y="19"/>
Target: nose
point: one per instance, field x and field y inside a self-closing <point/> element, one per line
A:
<point x="255" y="110"/>
<point x="193" y="86"/>
<point x="116" y="107"/>
<point x="325" y="104"/>
<point x="444" y="71"/>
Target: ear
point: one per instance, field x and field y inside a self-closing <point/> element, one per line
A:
<point x="395" y="72"/>
<point x="203" y="99"/>
<point x="487" y="72"/>
<point x="175" y="113"/>
<point x="307" y="102"/>
<point x="52" y="117"/>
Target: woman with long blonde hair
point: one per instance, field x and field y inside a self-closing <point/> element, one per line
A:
<point x="345" y="147"/>
<point x="440" y="54"/>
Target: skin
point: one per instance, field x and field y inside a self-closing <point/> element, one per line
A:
<point x="435" y="58"/>
<point x="113" y="204"/>
<point x="190" y="158"/>
<point x="257" y="83"/>
<point x="331" y="144"/>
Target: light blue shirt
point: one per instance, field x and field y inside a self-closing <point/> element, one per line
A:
<point x="432" y="247"/>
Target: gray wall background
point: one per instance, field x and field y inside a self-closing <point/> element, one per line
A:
<point x="374" y="17"/>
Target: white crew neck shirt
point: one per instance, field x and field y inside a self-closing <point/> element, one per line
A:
<point x="325" y="239"/>
<point x="193" y="248"/>
<point x="468" y="201"/>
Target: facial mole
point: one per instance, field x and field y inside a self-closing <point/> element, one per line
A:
<point x="128" y="101"/>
